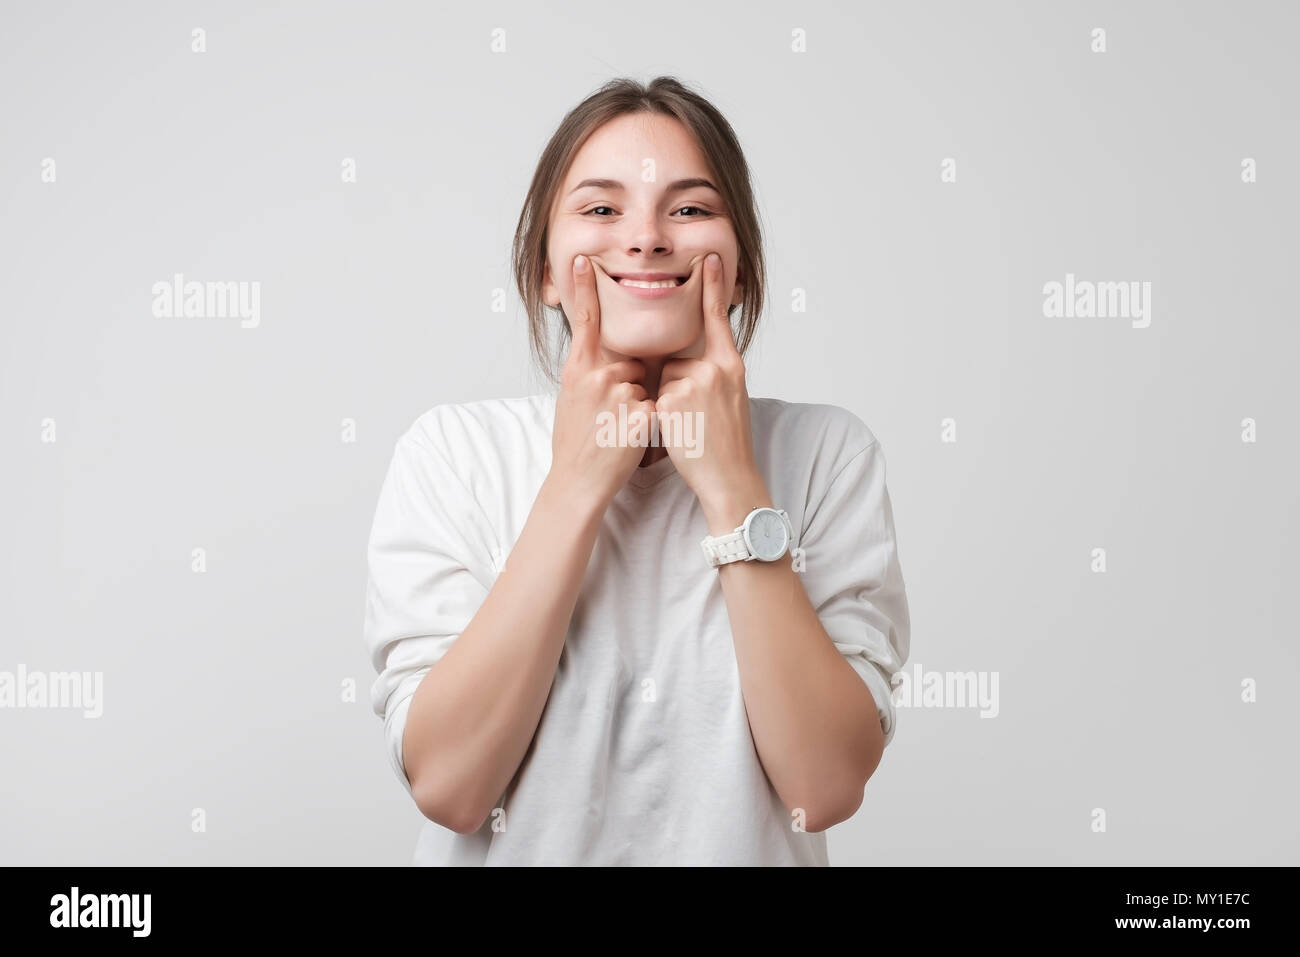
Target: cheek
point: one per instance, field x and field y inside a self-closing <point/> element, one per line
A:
<point x="723" y="242"/>
<point x="564" y="244"/>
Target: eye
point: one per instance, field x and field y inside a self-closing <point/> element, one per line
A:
<point x="699" y="211"/>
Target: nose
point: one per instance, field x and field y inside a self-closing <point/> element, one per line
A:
<point x="647" y="233"/>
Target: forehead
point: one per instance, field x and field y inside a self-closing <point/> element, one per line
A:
<point x="622" y="144"/>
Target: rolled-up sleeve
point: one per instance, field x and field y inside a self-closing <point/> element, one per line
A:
<point x="854" y="578"/>
<point x="430" y="566"/>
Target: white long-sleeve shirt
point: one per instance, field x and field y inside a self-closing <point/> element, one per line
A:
<point x="643" y="754"/>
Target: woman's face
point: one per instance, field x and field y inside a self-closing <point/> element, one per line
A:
<point x="640" y="218"/>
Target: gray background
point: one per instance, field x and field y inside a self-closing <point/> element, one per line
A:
<point x="222" y="690"/>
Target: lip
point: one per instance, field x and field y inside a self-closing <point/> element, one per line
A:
<point x="649" y="277"/>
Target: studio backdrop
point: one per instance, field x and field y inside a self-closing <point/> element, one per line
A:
<point x="1046" y="252"/>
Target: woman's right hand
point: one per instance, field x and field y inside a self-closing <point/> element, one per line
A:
<point x="589" y="386"/>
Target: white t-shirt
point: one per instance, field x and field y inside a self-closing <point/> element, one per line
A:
<point x="643" y="754"/>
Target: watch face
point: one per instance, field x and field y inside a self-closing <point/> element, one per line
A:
<point x="768" y="536"/>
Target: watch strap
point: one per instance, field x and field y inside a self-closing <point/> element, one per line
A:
<point x="724" y="549"/>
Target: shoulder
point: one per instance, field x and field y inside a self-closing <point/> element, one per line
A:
<point x="818" y="456"/>
<point x="482" y="426"/>
<point x="488" y="446"/>
<point x="828" y="434"/>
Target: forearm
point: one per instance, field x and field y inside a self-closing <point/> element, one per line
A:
<point x="474" y="713"/>
<point x="813" y="719"/>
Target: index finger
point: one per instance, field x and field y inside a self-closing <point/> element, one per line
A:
<point x="585" y="321"/>
<point x="719" y="340"/>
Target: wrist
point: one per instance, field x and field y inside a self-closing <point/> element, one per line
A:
<point x="726" y="510"/>
<point x="572" y="497"/>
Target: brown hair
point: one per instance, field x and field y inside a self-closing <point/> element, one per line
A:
<point x="667" y="96"/>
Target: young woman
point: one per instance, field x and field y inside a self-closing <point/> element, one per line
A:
<point x="599" y="646"/>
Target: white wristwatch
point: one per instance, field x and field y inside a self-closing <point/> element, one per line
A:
<point x="765" y="536"/>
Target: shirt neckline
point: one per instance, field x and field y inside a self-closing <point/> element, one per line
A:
<point x="653" y="474"/>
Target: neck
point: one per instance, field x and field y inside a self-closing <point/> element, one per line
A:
<point x="653" y="371"/>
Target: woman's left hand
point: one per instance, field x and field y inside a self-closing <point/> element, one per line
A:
<point x="711" y="391"/>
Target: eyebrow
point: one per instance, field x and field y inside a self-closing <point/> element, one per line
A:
<point x="675" y="187"/>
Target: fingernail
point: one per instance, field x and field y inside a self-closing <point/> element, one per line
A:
<point x="714" y="259"/>
<point x="580" y="264"/>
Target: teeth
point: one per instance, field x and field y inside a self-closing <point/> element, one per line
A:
<point x="658" y="284"/>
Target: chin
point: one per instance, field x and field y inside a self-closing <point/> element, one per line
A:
<point x="642" y="338"/>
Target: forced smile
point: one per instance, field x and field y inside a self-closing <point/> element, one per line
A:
<point x="648" y="280"/>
